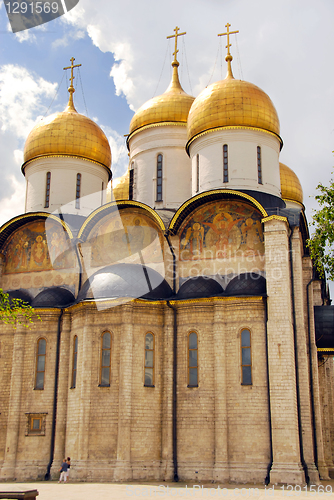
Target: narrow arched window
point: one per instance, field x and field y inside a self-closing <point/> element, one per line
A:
<point x="105" y="359"/>
<point x="149" y="360"/>
<point x="225" y="157"/>
<point x="131" y="178"/>
<point x="74" y="362"/>
<point x="159" y="178"/>
<point x="259" y="165"/>
<point x="47" y="190"/>
<point x="192" y="360"/>
<point x="246" y="358"/>
<point x="102" y="189"/>
<point x="77" y="193"/>
<point x="197" y="173"/>
<point x="40" y="364"/>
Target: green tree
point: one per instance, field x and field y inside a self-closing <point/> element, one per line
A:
<point x="321" y="243"/>
<point x="13" y="311"/>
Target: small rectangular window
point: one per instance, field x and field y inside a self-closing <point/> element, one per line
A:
<point x="35" y="424"/>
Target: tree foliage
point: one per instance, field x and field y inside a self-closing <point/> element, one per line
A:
<point x="15" y="311"/>
<point x="321" y="243"/>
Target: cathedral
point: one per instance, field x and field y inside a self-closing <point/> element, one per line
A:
<point x="181" y="331"/>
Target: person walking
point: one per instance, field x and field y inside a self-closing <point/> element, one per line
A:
<point x="68" y="468"/>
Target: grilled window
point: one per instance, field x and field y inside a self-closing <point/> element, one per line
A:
<point x="192" y="360"/>
<point x="105" y="359"/>
<point x="77" y="193"/>
<point x="47" y="190"/>
<point x="246" y="358"/>
<point x="159" y="177"/>
<point x="259" y="165"/>
<point x="225" y="157"/>
<point x="149" y="360"/>
<point x="40" y="364"/>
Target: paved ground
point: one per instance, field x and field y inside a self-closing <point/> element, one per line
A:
<point x="151" y="491"/>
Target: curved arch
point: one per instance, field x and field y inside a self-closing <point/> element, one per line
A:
<point x="247" y="284"/>
<point x="199" y="287"/>
<point x="53" y="297"/>
<point x="113" y="206"/>
<point x="207" y="196"/>
<point x="9" y="227"/>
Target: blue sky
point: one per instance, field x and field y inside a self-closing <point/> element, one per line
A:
<point x="286" y="48"/>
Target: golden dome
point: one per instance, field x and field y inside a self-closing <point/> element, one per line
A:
<point x="172" y="106"/>
<point x="291" y="188"/>
<point x="120" y="187"/>
<point x="70" y="134"/>
<point x="232" y="103"/>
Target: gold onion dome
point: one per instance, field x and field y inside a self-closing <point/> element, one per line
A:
<point x="172" y="106"/>
<point x="68" y="134"/>
<point x="120" y="187"/>
<point x="232" y="103"/>
<point x="291" y="188"/>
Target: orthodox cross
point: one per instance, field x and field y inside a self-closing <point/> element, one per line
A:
<point x="228" y="33"/>
<point x="176" y="35"/>
<point x="71" y="68"/>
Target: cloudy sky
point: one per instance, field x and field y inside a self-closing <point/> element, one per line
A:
<point x="285" y="47"/>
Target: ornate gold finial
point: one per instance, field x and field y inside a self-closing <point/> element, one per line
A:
<point x="228" y="57"/>
<point x="71" y="89"/>
<point x="175" y="62"/>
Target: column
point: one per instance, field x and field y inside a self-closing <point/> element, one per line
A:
<point x="286" y="467"/>
<point x="65" y="367"/>
<point x="302" y="356"/>
<point x="123" y="471"/>
<point x="14" y="410"/>
<point x="221" y="468"/>
<point x="167" y="469"/>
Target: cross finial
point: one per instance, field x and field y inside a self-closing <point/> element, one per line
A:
<point x="71" y="89"/>
<point x="228" y="33"/>
<point x="228" y="58"/>
<point x="176" y="35"/>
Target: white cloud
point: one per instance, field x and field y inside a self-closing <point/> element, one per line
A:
<point x="13" y="205"/>
<point x="119" y="152"/>
<point x="21" y="95"/>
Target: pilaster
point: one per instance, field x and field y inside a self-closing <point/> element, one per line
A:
<point x="167" y="470"/>
<point x="64" y="382"/>
<point x="221" y="466"/>
<point x="317" y="420"/>
<point x="302" y="357"/>
<point x="123" y="470"/>
<point x="286" y="467"/>
<point x="14" y="411"/>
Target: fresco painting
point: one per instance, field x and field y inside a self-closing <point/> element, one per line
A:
<point x="126" y="237"/>
<point x="223" y="230"/>
<point x="33" y="248"/>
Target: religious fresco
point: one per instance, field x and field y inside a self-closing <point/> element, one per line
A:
<point x="38" y="246"/>
<point x="225" y="230"/>
<point x="125" y="237"/>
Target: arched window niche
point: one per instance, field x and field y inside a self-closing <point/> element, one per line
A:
<point x="105" y="359"/>
<point x="40" y="364"/>
<point x="192" y="360"/>
<point x="149" y="360"/>
<point x="246" y="357"/>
